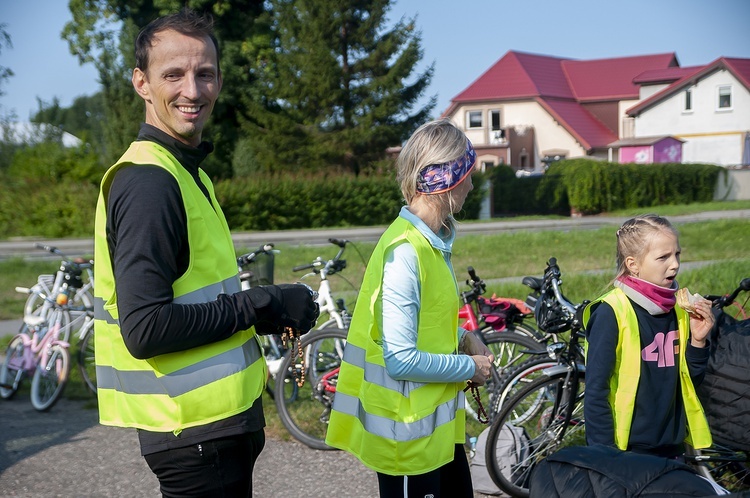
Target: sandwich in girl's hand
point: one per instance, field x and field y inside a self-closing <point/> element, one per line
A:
<point x="686" y="300"/>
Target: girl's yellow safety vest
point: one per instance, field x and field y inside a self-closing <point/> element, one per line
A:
<point x="393" y="426"/>
<point x="623" y="385"/>
<point x="175" y="391"/>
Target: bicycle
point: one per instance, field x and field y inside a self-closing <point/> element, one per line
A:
<point x="338" y="314"/>
<point x="41" y="355"/>
<point x="307" y="417"/>
<point x="256" y="268"/>
<point x="65" y="288"/>
<point x="523" y="373"/>
<point x="546" y="414"/>
<point x="502" y="324"/>
<point x="727" y="461"/>
<point x="66" y="291"/>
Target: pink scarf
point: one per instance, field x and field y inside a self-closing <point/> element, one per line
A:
<point x="654" y="298"/>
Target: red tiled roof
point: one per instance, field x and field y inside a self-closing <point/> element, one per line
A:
<point x="668" y="75"/>
<point x="561" y="85"/>
<point x="586" y="128"/>
<point x="518" y="75"/>
<point x="612" y="79"/>
<point x="740" y="68"/>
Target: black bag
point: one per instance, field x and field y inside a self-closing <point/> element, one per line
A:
<point x="725" y="390"/>
<point x="594" y="471"/>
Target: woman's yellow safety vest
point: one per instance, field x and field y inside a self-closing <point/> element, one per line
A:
<point x="393" y="426"/>
<point x="623" y="385"/>
<point x="175" y="391"/>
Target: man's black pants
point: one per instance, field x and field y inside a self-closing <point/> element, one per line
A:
<point x="217" y="468"/>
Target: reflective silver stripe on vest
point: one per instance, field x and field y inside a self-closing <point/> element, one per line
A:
<point x="376" y="374"/>
<point x="208" y="293"/>
<point x="205" y="294"/>
<point x="101" y="314"/>
<point x="182" y="381"/>
<point x="391" y="429"/>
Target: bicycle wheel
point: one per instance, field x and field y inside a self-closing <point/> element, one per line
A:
<point x="515" y="379"/>
<point x="507" y="348"/>
<point x="86" y="357"/>
<point x="11" y="372"/>
<point x="50" y="378"/>
<point x="728" y="468"/>
<point x="531" y="426"/>
<point x="524" y="327"/>
<point x="38" y="292"/>
<point x="306" y="418"/>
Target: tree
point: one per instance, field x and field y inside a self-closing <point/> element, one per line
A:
<point x="83" y="119"/>
<point x="102" y="32"/>
<point x="336" y="90"/>
<point x="5" y="40"/>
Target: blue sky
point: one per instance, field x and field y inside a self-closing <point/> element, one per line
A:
<point x="462" y="38"/>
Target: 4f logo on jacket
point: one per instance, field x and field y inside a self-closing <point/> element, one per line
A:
<point x="662" y="350"/>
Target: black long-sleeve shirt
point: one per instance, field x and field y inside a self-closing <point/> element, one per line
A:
<point x="659" y="421"/>
<point x="147" y="237"/>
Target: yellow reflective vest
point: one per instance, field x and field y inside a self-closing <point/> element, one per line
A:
<point x="623" y="385"/>
<point x="393" y="426"/>
<point x="175" y="391"/>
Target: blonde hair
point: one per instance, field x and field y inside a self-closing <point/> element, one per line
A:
<point x="436" y="142"/>
<point x="634" y="238"/>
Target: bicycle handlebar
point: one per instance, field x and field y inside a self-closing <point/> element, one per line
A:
<point x="250" y="257"/>
<point x="332" y="265"/>
<point x="77" y="262"/>
<point x="721" y="302"/>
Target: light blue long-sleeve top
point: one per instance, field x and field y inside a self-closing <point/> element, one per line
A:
<point x="401" y="301"/>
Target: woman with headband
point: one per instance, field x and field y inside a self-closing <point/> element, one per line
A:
<point x="400" y="394"/>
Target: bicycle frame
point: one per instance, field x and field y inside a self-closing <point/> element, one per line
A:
<point x="35" y="348"/>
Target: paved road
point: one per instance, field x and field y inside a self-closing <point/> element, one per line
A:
<point x="66" y="453"/>
<point x="81" y="247"/>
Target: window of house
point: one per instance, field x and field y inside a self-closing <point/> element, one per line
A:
<point x="474" y="119"/>
<point x="495" y="120"/>
<point x="689" y="99"/>
<point x="725" y="97"/>
<point x="523" y="159"/>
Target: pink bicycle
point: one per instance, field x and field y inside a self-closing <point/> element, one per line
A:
<point x="37" y="352"/>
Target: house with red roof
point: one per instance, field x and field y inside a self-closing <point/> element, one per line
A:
<point x="707" y="107"/>
<point x="529" y="109"/>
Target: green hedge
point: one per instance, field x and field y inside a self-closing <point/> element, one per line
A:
<point x="588" y="186"/>
<point x="33" y="208"/>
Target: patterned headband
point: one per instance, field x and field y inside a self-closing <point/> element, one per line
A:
<point x="439" y="178"/>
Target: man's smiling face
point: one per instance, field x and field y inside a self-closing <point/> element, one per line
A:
<point x="180" y="85"/>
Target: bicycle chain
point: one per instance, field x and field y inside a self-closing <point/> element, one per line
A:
<point x="288" y="337"/>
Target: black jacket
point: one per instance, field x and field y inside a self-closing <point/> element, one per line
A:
<point x="602" y="471"/>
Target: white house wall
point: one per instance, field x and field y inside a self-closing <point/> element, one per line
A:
<point x="547" y="132"/>
<point x="645" y="91"/>
<point x="711" y="135"/>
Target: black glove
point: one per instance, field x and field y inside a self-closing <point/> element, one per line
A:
<point x="285" y="305"/>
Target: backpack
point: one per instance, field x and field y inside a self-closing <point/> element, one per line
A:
<point x="725" y="390"/>
<point x="512" y="447"/>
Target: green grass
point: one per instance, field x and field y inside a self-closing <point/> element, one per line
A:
<point x="585" y="257"/>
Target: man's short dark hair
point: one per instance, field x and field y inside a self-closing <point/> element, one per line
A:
<point x="187" y="22"/>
